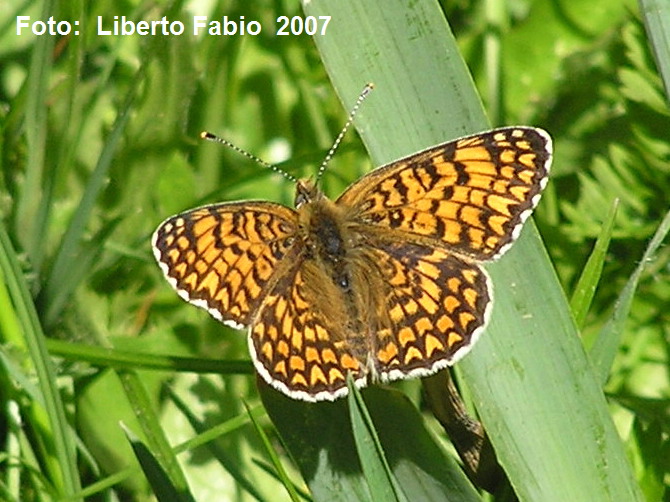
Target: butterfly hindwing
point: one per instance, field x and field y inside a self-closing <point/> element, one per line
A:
<point x="301" y="344"/>
<point x="433" y="304"/>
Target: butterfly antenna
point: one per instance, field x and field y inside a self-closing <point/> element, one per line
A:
<point x="361" y="97"/>
<point x="216" y="139"/>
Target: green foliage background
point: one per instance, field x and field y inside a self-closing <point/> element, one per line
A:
<point x="100" y="142"/>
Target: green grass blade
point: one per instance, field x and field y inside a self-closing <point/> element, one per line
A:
<point x="71" y="262"/>
<point x="103" y="484"/>
<point x="206" y="435"/>
<point x="424" y="471"/>
<point x="322" y="445"/>
<point x="160" y="481"/>
<point x="30" y="205"/>
<point x="274" y="458"/>
<point x="58" y="448"/>
<point x="121" y="359"/>
<point x="588" y="281"/>
<point x="383" y="487"/>
<point x="197" y="441"/>
<point x="533" y="386"/>
<point x="324" y="449"/>
<point x="606" y="344"/>
<point x="157" y="443"/>
<point x="221" y="429"/>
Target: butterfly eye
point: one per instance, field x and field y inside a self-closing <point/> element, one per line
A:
<point x="300" y="200"/>
<point x="306" y="192"/>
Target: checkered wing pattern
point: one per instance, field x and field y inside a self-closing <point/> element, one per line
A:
<point x="472" y="194"/>
<point x="224" y="257"/>
<point x="433" y="308"/>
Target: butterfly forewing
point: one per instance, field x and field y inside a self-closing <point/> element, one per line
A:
<point x="222" y="257"/>
<point x="472" y="194"/>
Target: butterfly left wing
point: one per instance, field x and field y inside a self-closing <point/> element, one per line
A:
<point x="223" y="257"/>
<point x="472" y="194"/>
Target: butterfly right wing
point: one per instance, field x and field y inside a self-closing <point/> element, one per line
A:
<point x="471" y="195"/>
<point x="428" y="307"/>
<point x="224" y="257"/>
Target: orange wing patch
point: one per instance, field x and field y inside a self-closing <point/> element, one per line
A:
<point x="222" y="257"/>
<point x="472" y="194"/>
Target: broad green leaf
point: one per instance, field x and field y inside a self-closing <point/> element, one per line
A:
<point x="534" y="388"/>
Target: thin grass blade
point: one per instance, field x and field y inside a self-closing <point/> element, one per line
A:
<point x="157" y="443"/>
<point x="588" y="281"/>
<point x="656" y="16"/>
<point x="606" y="344"/>
<point x="274" y="457"/>
<point x="61" y="460"/>
<point x="383" y="486"/>
<point x="161" y="483"/>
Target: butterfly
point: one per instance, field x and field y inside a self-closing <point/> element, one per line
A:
<point x="383" y="283"/>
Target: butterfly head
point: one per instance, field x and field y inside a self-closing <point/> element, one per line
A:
<point x="306" y="191"/>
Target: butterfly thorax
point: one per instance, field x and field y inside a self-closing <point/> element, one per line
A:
<point x="322" y="227"/>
